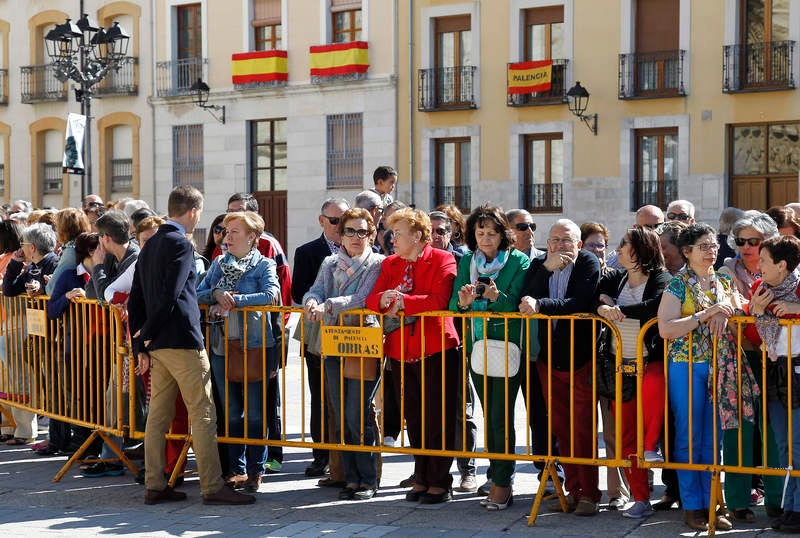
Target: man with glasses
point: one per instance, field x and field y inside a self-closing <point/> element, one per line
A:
<point x="682" y="210"/>
<point x="442" y="232"/>
<point x="563" y="282"/>
<point x="523" y="227"/>
<point x="371" y="202"/>
<point x="307" y="261"/>
<point x="92" y="201"/>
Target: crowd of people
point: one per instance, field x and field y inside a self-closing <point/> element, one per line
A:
<point x="400" y="262"/>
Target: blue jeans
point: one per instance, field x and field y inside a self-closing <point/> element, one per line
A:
<point x="695" y="485"/>
<point x="359" y="467"/>
<point x="779" y="419"/>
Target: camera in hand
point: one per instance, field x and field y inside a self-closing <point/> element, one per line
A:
<point x="480" y="286"/>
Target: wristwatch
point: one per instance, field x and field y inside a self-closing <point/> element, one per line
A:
<point x="696" y="318"/>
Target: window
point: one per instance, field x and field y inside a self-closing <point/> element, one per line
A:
<point x="764" y="55"/>
<point x="544" y="40"/>
<point x="187" y="155"/>
<point x="655" y="179"/>
<point x="120" y="163"/>
<point x="267" y="31"/>
<point x="453" y="173"/>
<point x="764" y="162"/>
<point x="543" y="172"/>
<point x="345" y="151"/>
<point x="268" y="155"/>
<point x="52" y="167"/>
<point x="346" y="19"/>
<point x="454" y="72"/>
<point x="190" y="31"/>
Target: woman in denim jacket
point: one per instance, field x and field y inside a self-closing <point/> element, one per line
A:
<point x="241" y="278"/>
<point x="343" y="282"/>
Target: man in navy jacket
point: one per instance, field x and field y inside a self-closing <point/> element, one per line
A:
<point x="165" y="323"/>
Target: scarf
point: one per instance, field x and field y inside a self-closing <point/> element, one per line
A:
<point x="481" y="267"/>
<point x="768" y="324"/>
<point x="727" y="364"/>
<point x="233" y="269"/>
<point x="346" y="269"/>
<point x="744" y="278"/>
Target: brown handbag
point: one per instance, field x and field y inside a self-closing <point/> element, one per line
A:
<point x="352" y="368"/>
<point x="236" y="362"/>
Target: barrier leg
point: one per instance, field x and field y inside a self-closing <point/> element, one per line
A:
<point x="8" y="419"/>
<point x="76" y="456"/>
<point x="716" y="498"/>
<point x="118" y="451"/>
<point x="181" y="460"/>
<point x="548" y="471"/>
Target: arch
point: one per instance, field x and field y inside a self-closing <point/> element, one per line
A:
<point x="36" y="26"/>
<point x="104" y="127"/>
<point x="37" y="151"/>
<point x="5" y="132"/>
<point x="106" y="13"/>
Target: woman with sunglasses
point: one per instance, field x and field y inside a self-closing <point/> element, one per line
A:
<point x="342" y="284"/>
<point x="215" y="238"/>
<point x="695" y="307"/>
<point x="744" y="270"/>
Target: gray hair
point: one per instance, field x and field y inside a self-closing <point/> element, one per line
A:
<point x="761" y="223"/>
<point x="512" y="214"/>
<point x="368" y="200"/>
<point x="574" y="230"/>
<point x="689" y="206"/>
<point x="728" y="217"/>
<point x="334" y="201"/>
<point x="441" y="216"/>
<point x="41" y="236"/>
<point x="132" y="206"/>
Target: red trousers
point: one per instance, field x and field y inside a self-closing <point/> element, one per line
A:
<point x="653" y="391"/>
<point x="180" y="425"/>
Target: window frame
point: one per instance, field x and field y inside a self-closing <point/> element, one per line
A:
<point x="355" y="32"/>
<point x="183" y="51"/>
<point x="253" y="169"/>
<point x="458" y="179"/>
<point x="193" y="161"/>
<point x="527" y="179"/>
<point x="339" y="150"/>
<point x="662" y="197"/>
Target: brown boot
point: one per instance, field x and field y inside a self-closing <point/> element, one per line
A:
<point x="253" y="483"/>
<point x="696" y="519"/>
<point x="152" y="496"/>
<point x="226" y="495"/>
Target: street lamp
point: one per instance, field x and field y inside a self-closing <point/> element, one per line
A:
<point x="84" y="53"/>
<point x="577" y="101"/>
<point x="200" y="91"/>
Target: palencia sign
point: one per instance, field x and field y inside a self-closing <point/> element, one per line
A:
<point x="352" y="341"/>
<point x="530" y="77"/>
<point x="37" y="322"/>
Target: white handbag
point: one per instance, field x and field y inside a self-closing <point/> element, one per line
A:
<point x="494" y="358"/>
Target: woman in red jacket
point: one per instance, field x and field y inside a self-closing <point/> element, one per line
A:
<point x="419" y="278"/>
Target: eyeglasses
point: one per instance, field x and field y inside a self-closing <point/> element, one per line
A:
<point x="333" y="220"/>
<point x="706" y="247"/>
<point x="94" y="204"/>
<point x="652" y="226"/>
<point x="563" y="240"/>
<point x="523" y="226"/>
<point x="678" y="216"/>
<point x="441" y="231"/>
<point x="597" y="246"/>
<point x="752" y="241"/>
<point x="218" y="229"/>
<point x="350" y="232"/>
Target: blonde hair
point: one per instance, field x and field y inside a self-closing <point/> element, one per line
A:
<point x="252" y="221"/>
<point x="150" y="223"/>
<point x="416" y="219"/>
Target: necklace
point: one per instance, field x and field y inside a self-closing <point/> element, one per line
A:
<point x="752" y="275"/>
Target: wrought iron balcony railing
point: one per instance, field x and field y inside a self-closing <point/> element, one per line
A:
<point x="458" y="196"/>
<point x="544" y="197"/>
<point x="52" y="176"/>
<point x="756" y="67"/>
<point x="121" y="175"/>
<point x="3" y="86"/>
<point x="121" y="82"/>
<point x="38" y="84"/>
<point x="176" y="77"/>
<point x="557" y="94"/>
<point x="447" y="88"/>
<point x="651" y="74"/>
<point x="657" y="193"/>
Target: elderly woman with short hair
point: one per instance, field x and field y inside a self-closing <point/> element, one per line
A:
<point x="419" y="278"/>
<point x="38" y="244"/>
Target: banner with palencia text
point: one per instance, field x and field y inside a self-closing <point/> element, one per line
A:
<point x="530" y="77"/>
<point x="73" y="145"/>
<point x="259" y="66"/>
<point x="339" y="59"/>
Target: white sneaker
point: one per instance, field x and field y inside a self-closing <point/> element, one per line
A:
<point x="653" y="456"/>
<point x="639" y="510"/>
<point x="389" y="441"/>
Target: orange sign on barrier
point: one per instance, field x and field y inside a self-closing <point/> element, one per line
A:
<point x="37" y="322"/>
<point x="352" y="342"/>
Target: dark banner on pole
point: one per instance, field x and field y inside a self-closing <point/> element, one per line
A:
<point x="73" y="147"/>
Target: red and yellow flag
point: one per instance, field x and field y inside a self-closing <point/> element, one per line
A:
<point x="260" y="66"/>
<point x="530" y="77"/>
<point x="339" y="59"/>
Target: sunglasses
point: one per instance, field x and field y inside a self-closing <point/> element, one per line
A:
<point x="752" y="241"/>
<point x="219" y="229"/>
<point x="678" y="216"/>
<point x="652" y="226"/>
<point x="350" y="232"/>
<point x="333" y="220"/>
<point x="94" y="204"/>
<point x="523" y="226"/>
<point x="706" y="247"/>
<point x="441" y="231"/>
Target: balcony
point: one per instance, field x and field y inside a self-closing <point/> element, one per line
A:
<point x="556" y="95"/>
<point x="52" y="176"/>
<point x="121" y="175"/>
<point x="544" y="197"/>
<point x="38" y="84"/>
<point x="657" y="193"/>
<point x="3" y="86"/>
<point x="175" y="77"/>
<point x="648" y="75"/>
<point x="756" y="67"/>
<point x="447" y="88"/>
<point x="121" y="82"/>
<point x="458" y="196"/>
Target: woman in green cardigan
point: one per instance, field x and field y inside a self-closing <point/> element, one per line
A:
<point x="490" y="279"/>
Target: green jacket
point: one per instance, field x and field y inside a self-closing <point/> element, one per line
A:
<point x="509" y="282"/>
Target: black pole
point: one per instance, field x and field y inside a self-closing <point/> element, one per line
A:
<point x="86" y="110"/>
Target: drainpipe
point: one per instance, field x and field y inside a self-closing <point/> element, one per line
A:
<point x="411" y="100"/>
<point x="154" y="75"/>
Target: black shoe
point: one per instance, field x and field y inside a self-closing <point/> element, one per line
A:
<point x="414" y="495"/>
<point x="49" y="450"/>
<point x="666" y="503"/>
<point x="436" y="498"/>
<point x="346" y="494"/>
<point x="317" y="468"/>
<point x="791" y="524"/>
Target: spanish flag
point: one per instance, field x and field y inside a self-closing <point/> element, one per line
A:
<point x="260" y="66"/>
<point x="530" y="77"/>
<point x="339" y="59"/>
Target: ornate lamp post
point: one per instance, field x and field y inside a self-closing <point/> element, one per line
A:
<point x="84" y="53"/>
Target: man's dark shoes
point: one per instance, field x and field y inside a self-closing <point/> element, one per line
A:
<point x="166" y="495"/>
<point x="791" y="523"/>
<point x="253" y="483"/>
<point x="666" y="503"/>
<point x="436" y="498"/>
<point x="226" y="495"/>
<point x="414" y="495"/>
<point x="317" y="468"/>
